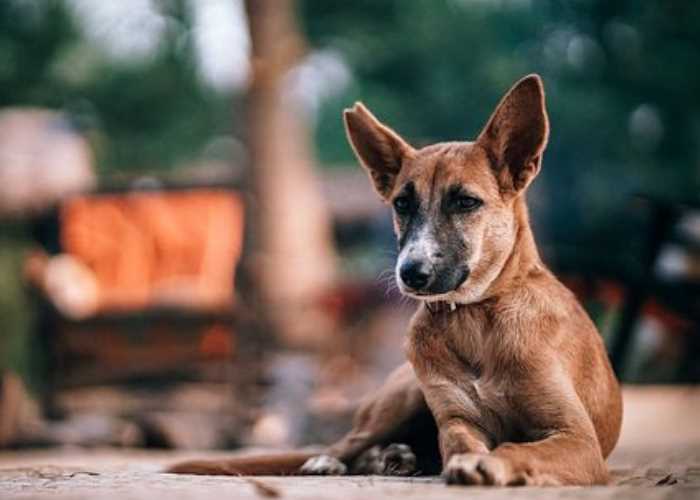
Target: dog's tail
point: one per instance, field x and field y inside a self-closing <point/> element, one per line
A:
<point x="278" y="464"/>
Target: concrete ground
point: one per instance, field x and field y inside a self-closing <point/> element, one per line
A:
<point x="658" y="457"/>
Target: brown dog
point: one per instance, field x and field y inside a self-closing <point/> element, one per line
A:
<point x="508" y="382"/>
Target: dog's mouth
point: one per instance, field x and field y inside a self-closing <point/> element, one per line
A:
<point x="432" y="297"/>
<point x="436" y="293"/>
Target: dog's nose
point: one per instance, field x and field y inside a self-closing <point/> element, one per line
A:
<point x="414" y="274"/>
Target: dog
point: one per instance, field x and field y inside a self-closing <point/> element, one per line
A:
<point x="507" y="380"/>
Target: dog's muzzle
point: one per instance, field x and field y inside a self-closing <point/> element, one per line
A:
<point x="421" y="278"/>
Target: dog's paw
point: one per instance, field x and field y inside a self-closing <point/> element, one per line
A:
<point x="398" y="460"/>
<point x="323" y="465"/>
<point x="394" y="460"/>
<point x="369" y="462"/>
<point x="476" y="469"/>
<point x="489" y="470"/>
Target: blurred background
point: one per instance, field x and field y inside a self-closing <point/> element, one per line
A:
<point x="191" y="258"/>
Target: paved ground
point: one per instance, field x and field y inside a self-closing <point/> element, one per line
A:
<point x="658" y="458"/>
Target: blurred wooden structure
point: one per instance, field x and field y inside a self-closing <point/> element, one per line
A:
<point x="148" y="294"/>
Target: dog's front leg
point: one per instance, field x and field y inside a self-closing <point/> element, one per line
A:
<point x="456" y="415"/>
<point x="564" y="449"/>
<point x="459" y="436"/>
<point x="451" y="397"/>
<point x="564" y="458"/>
<point x="561" y="459"/>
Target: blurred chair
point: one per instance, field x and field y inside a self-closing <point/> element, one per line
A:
<point x="137" y="285"/>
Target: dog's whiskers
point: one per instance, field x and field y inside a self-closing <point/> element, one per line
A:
<point x="386" y="277"/>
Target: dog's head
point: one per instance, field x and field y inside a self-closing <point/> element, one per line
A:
<point x="454" y="203"/>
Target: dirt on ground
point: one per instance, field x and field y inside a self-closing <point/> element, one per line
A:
<point x="658" y="457"/>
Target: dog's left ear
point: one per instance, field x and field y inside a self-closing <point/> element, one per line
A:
<point x="516" y="134"/>
<point x="381" y="151"/>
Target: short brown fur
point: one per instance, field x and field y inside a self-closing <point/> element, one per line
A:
<point x="509" y="365"/>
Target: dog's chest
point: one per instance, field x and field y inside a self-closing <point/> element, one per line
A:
<point x="456" y="358"/>
<point x="461" y="341"/>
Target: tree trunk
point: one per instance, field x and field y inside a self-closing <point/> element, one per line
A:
<point x="293" y="259"/>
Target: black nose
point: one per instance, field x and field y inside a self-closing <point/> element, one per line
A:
<point x="414" y="274"/>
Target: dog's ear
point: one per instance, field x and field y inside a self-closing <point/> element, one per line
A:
<point x="380" y="150"/>
<point x="516" y="134"/>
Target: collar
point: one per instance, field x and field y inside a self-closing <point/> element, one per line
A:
<point x="441" y="306"/>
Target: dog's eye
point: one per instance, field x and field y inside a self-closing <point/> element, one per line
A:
<point x="467" y="203"/>
<point x="402" y="204"/>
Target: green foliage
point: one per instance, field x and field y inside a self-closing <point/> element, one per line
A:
<point x="622" y="82"/>
<point x="31" y="37"/>
<point x="141" y="115"/>
<point x="433" y="69"/>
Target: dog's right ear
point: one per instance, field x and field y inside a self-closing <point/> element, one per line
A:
<point x="380" y="150"/>
<point x="516" y="134"/>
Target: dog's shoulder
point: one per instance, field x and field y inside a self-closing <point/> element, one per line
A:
<point x="542" y="309"/>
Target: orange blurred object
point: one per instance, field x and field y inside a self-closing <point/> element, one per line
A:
<point x="146" y="249"/>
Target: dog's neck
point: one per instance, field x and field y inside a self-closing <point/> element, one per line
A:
<point x="523" y="259"/>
